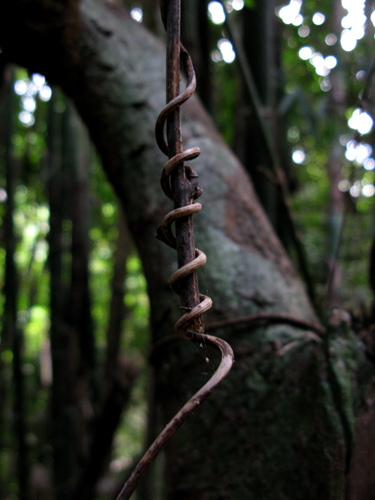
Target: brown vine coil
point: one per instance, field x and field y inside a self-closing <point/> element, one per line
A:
<point x="183" y="325"/>
<point x="165" y="232"/>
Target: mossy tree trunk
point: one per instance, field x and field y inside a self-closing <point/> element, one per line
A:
<point x="282" y="424"/>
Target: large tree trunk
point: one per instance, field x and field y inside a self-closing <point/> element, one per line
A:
<point x="281" y="424"/>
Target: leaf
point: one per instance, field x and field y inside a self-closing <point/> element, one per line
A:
<point x="250" y="4"/>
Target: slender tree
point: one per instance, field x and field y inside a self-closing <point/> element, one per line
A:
<point x="12" y="335"/>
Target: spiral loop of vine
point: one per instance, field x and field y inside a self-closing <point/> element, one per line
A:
<point x="165" y="232"/>
<point x="185" y="327"/>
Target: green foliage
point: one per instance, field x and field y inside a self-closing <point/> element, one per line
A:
<point x="250" y="4"/>
<point x="345" y="355"/>
<point x="322" y="103"/>
<point x="31" y="226"/>
<point x="136" y="300"/>
<point x="225" y="100"/>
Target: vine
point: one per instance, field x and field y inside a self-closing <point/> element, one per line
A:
<point x="180" y="183"/>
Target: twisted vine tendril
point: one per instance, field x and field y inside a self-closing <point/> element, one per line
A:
<point x="184" y="327"/>
<point x="164" y="232"/>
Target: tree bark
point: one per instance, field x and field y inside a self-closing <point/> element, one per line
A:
<point x="260" y="30"/>
<point x="278" y="427"/>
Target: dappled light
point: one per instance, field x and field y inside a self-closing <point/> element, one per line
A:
<point x="216" y="12"/>
<point x="324" y="64"/>
<point x="348" y="40"/>
<point x="137" y="14"/>
<point x="331" y="39"/>
<point x="224" y="53"/>
<point x="353" y="24"/>
<point x="361" y="121"/>
<point x="330" y="62"/>
<point x="369" y="164"/>
<point x="318" y="18"/>
<point x="368" y="190"/>
<point x="304" y="31"/>
<point x="305" y="53"/>
<point x="26" y="118"/>
<point x="30" y="91"/>
<point x="291" y="13"/>
<point x="355" y="190"/>
<point x="344" y="185"/>
<point x="298" y="156"/>
<point x="235" y="4"/>
<point x="226" y="49"/>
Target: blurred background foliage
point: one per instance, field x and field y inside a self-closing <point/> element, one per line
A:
<point x="313" y="96"/>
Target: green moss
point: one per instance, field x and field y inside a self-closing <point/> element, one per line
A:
<point x="279" y="427"/>
<point x="349" y="374"/>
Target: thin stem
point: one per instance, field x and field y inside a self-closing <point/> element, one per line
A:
<point x="176" y="422"/>
<point x="269" y="318"/>
<point x="181" y="186"/>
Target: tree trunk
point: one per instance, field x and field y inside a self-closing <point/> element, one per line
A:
<point x="260" y="30"/>
<point x="12" y="334"/>
<point x="72" y="343"/>
<point x="278" y="426"/>
<point x="336" y="199"/>
<point x="196" y="37"/>
<point x="63" y="347"/>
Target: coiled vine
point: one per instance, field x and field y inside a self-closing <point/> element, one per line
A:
<point x="180" y="183"/>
